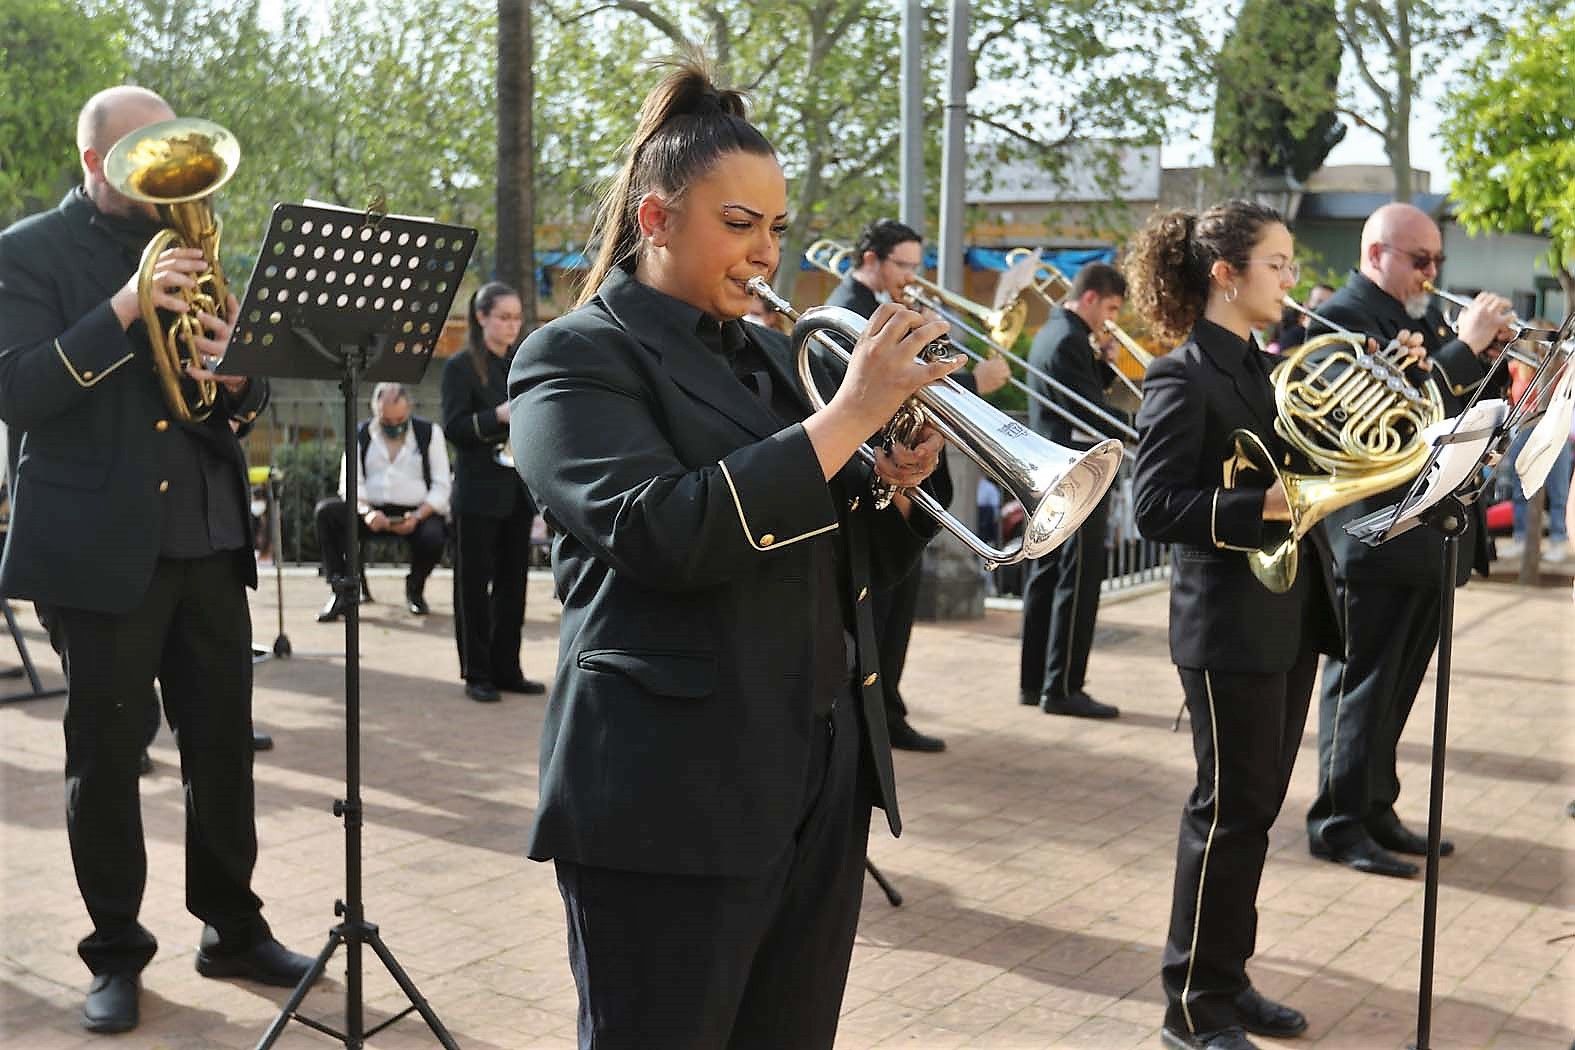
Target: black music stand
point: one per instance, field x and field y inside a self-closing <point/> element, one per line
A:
<point x="1438" y="499"/>
<point x="349" y="295"/>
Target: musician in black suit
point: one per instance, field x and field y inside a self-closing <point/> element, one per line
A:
<point x="131" y="527"/>
<point x="1246" y="656"/>
<point x="1061" y="596"/>
<point x="493" y="513"/>
<point x="887" y="257"/>
<point x="1389" y="595"/>
<point x="715" y="734"/>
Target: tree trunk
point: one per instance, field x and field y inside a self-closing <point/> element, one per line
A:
<point x="516" y="251"/>
<point x="1405" y="89"/>
<point x="1567" y="284"/>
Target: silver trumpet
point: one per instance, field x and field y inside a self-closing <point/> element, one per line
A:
<point x="1058" y="487"/>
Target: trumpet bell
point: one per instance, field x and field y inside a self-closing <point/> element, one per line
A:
<point x="1058" y="487"/>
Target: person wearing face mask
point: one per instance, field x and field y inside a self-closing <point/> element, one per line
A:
<point x="1246" y="656"/>
<point x="1389" y="595"/>
<point x="403" y="485"/>
<point x="715" y="736"/>
<point x="1061" y="596"/>
<point x="129" y="530"/>
<point x="493" y="513"/>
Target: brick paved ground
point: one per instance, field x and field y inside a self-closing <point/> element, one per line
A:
<point x="1036" y="864"/>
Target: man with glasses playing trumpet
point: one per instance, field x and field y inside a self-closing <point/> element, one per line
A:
<point x="888" y="256"/>
<point x="1389" y="595"/>
<point x="1061" y="597"/>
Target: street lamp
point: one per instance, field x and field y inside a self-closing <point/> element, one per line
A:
<point x="1278" y="190"/>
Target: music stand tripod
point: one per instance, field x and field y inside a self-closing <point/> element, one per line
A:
<point x="353" y="296"/>
<point x="1450" y="481"/>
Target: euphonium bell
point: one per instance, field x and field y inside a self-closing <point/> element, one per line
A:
<point x="1058" y="487"/>
<point x="178" y="165"/>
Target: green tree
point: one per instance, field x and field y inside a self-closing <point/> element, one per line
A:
<point x="1396" y="48"/>
<point x="54" y="55"/>
<point x="1510" y="133"/>
<point x="336" y="104"/>
<point x="1061" y="83"/>
<point x="1271" y="115"/>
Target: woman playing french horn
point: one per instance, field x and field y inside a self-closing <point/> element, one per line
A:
<point x="1246" y="655"/>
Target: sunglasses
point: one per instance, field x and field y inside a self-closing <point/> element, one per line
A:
<point x="1420" y="260"/>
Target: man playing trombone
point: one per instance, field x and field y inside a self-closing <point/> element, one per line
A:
<point x="888" y="256"/>
<point x="1061" y="597"/>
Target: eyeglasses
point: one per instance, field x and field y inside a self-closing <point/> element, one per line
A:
<point x="1283" y="267"/>
<point x="906" y="267"/>
<point x="1420" y="260"/>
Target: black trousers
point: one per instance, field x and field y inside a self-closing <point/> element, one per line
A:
<point x="893" y="610"/>
<point x="490" y="565"/>
<point x="1390" y="633"/>
<point x="1060" y="605"/>
<point x="679" y="962"/>
<point x="425" y="543"/>
<point x="1245" y="732"/>
<point x="193" y="633"/>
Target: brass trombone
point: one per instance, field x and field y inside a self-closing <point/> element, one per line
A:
<point x="1042" y="276"/>
<point x="828" y="256"/>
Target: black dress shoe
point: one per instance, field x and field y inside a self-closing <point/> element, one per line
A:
<point x="266" y="962"/>
<point x="1078" y="705"/>
<point x="1224" y="1039"/>
<point x="111" y="1004"/>
<point x="1262" y="1016"/>
<point x="528" y="686"/>
<point x="333" y="610"/>
<point x="906" y="738"/>
<point x="1364" y="855"/>
<point x="1396" y="837"/>
<point x="413" y="599"/>
<point x="482" y="692"/>
<point x="261" y="741"/>
<point x="1028" y="697"/>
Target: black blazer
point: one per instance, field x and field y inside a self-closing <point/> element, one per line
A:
<point x="1061" y="349"/>
<point x="482" y="486"/>
<point x="1221" y="617"/>
<point x="1417" y="557"/>
<point x="678" y="729"/>
<point x="87" y="512"/>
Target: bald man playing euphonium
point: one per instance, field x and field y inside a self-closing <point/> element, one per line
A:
<point x="1389" y="595"/>
<point x="131" y="527"/>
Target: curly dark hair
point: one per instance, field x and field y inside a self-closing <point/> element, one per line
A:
<point x="1168" y="262"/>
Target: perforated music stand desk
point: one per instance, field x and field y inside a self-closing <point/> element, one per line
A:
<point x="352" y="296"/>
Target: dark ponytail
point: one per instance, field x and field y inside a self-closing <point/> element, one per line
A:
<point x="485" y="298"/>
<point x="686" y="125"/>
<point x="1169" y="261"/>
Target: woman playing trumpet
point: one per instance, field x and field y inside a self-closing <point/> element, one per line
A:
<point x="715" y="737"/>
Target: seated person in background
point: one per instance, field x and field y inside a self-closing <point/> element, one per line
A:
<point x="402" y="486"/>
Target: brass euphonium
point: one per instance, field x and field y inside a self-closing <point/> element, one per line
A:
<point x="177" y="165"/>
<point x="1058" y="487"/>
<point x="1353" y="414"/>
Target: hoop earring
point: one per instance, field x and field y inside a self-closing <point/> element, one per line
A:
<point x="1230" y="296"/>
